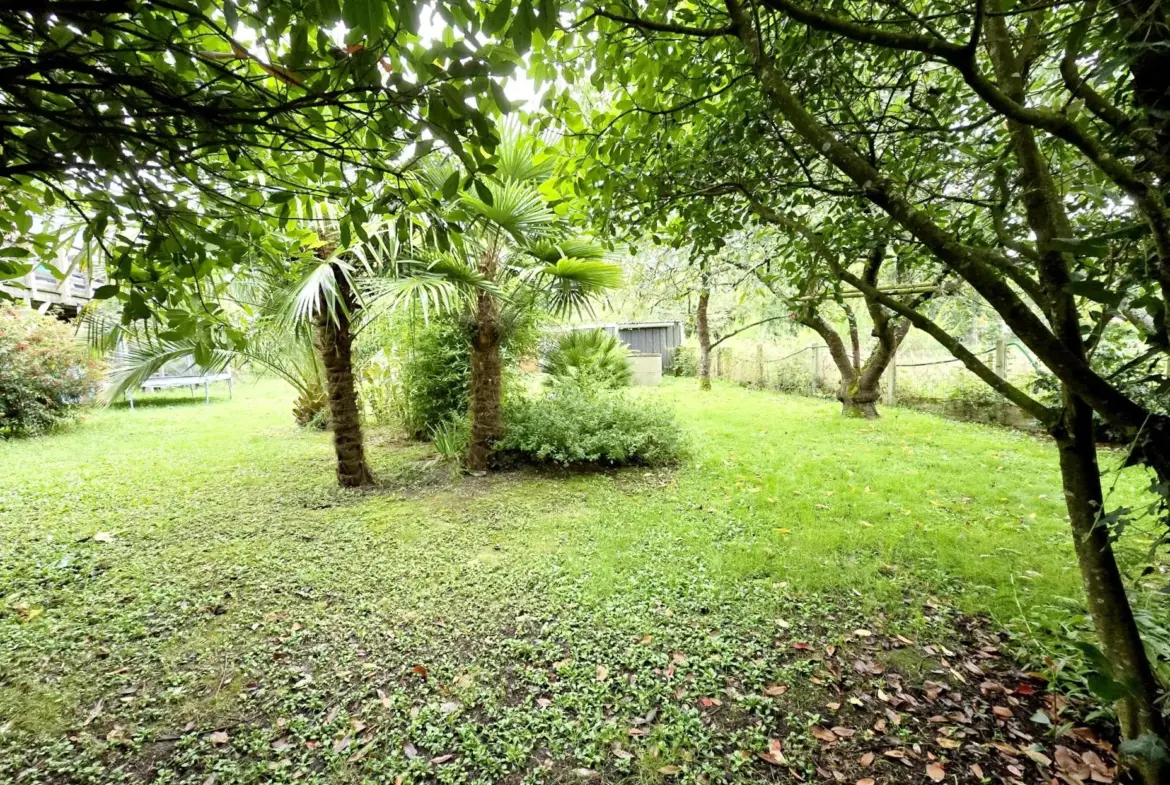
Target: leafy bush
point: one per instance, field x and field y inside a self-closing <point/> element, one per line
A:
<point x="424" y="375"/>
<point x="592" y="358"/>
<point x="376" y="388"/>
<point x="433" y="375"/>
<point x="570" y="426"/>
<point x="45" y="372"/>
<point x="685" y="361"/>
<point x="972" y="399"/>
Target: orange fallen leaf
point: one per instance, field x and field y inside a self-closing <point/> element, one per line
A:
<point x="824" y="734"/>
<point x="775" y="753"/>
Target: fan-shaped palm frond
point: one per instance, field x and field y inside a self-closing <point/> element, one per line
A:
<point x="434" y="171"/>
<point x="570" y="283"/>
<point x="319" y="286"/>
<point x="138" y="361"/>
<point x="516" y="207"/>
<point x="551" y="250"/>
<point x="523" y="159"/>
<point x="292" y="358"/>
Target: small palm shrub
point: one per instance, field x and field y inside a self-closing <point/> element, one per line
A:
<point x="45" y="372"/>
<point x="450" y="437"/>
<point x="571" y="427"/>
<point x="591" y="358"/>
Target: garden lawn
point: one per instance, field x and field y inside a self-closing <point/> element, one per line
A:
<point x="186" y="597"/>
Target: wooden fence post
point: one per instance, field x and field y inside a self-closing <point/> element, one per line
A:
<point x="1001" y="358"/>
<point x="892" y="377"/>
<point x="814" y="384"/>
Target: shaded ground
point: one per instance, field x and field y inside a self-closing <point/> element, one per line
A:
<point x="186" y="598"/>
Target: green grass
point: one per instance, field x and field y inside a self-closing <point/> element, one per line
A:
<point x="240" y="590"/>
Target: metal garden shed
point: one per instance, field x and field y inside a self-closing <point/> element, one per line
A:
<point x="659" y="338"/>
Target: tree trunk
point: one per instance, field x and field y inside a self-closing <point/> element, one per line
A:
<point x="335" y="343"/>
<point x="487" y="423"/>
<point x="858" y="402"/>
<point x="704" y="335"/>
<point x="1109" y="607"/>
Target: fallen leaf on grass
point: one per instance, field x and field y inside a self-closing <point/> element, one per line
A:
<point x="866" y="781"/>
<point x="824" y="734"/>
<point x="361" y="753"/>
<point x="218" y="737"/>
<point x="441" y="758"/>
<point x="94" y="713"/>
<point x="669" y="770"/>
<point x="844" y="733"/>
<point x="602" y="673"/>
<point x="103" y="537"/>
<point x="420" y="670"/>
<point x="775" y="690"/>
<point x="1039" y="757"/>
<point x="947" y="744"/>
<point x="1002" y="711"/>
<point x="410" y="751"/>
<point x="936" y="772"/>
<point x="866" y="760"/>
<point x="775" y="753"/>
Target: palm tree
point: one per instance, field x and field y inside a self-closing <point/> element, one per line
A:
<point x="526" y="254"/>
<point x="303" y="315"/>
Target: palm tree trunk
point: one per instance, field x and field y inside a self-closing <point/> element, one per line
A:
<point x="487" y="422"/>
<point x="334" y="340"/>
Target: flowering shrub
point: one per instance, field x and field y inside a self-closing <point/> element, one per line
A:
<point x="45" y="371"/>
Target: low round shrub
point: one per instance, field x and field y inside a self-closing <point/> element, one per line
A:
<point x="591" y="358"/>
<point x="685" y="361"/>
<point x="45" y="372"/>
<point x="570" y="426"/>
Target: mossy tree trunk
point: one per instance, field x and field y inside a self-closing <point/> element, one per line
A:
<point x="334" y="339"/>
<point x="703" y="331"/>
<point x="860" y="387"/>
<point x="1137" y="712"/>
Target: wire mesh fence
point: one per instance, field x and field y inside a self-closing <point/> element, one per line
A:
<point x="919" y="377"/>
